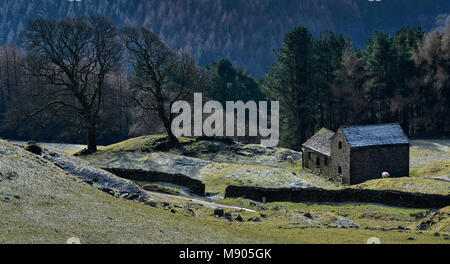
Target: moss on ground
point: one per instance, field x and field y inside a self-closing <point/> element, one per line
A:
<point x="132" y="144"/>
<point x="421" y="180"/>
<point x="148" y="143"/>
<point x="217" y="176"/>
<point x="407" y="184"/>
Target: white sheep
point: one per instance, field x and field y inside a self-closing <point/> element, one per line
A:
<point x="290" y="158"/>
<point x="385" y="174"/>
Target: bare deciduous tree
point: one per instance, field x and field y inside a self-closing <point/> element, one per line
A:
<point x="432" y="85"/>
<point x="161" y="76"/>
<point x="73" y="56"/>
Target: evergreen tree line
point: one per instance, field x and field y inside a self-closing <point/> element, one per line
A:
<point x="324" y="82"/>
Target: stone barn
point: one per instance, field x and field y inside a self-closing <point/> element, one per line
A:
<point x="317" y="152"/>
<point x="360" y="153"/>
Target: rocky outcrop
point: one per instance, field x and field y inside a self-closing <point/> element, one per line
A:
<point x="155" y="161"/>
<point x="434" y="220"/>
<point x="108" y="182"/>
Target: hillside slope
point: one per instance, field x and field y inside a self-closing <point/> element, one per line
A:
<point x="246" y="32"/>
<point x="48" y="200"/>
<point x="40" y="203"/>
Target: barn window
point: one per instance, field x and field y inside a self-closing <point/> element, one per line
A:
<point x="340" y="144"/>
<point x="340" y="170"/>
<point x="318" y="162"/>
<point x="309" y="155"/>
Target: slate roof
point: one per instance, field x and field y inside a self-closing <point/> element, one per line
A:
<point x="320" y="142"/>
<point x="373" y="135"/>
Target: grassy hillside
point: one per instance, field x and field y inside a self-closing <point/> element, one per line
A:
<point x="40" y="203"/>
<point x="407" y="184"/>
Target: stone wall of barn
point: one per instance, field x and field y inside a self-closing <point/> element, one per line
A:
<point x="315" y="161"/>
<point x="368" y="163"/>
<point x="340" y="158"/>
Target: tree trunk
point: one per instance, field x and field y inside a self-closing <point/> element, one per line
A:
<point x="171" y="137"/>
<point x="92" y="138"/>
<point x="173" y="141"/>
<point x="167" y="121"/>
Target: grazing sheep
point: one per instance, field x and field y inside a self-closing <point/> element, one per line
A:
<point x="385" y="175"/>
<point x="290" y="158"/>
